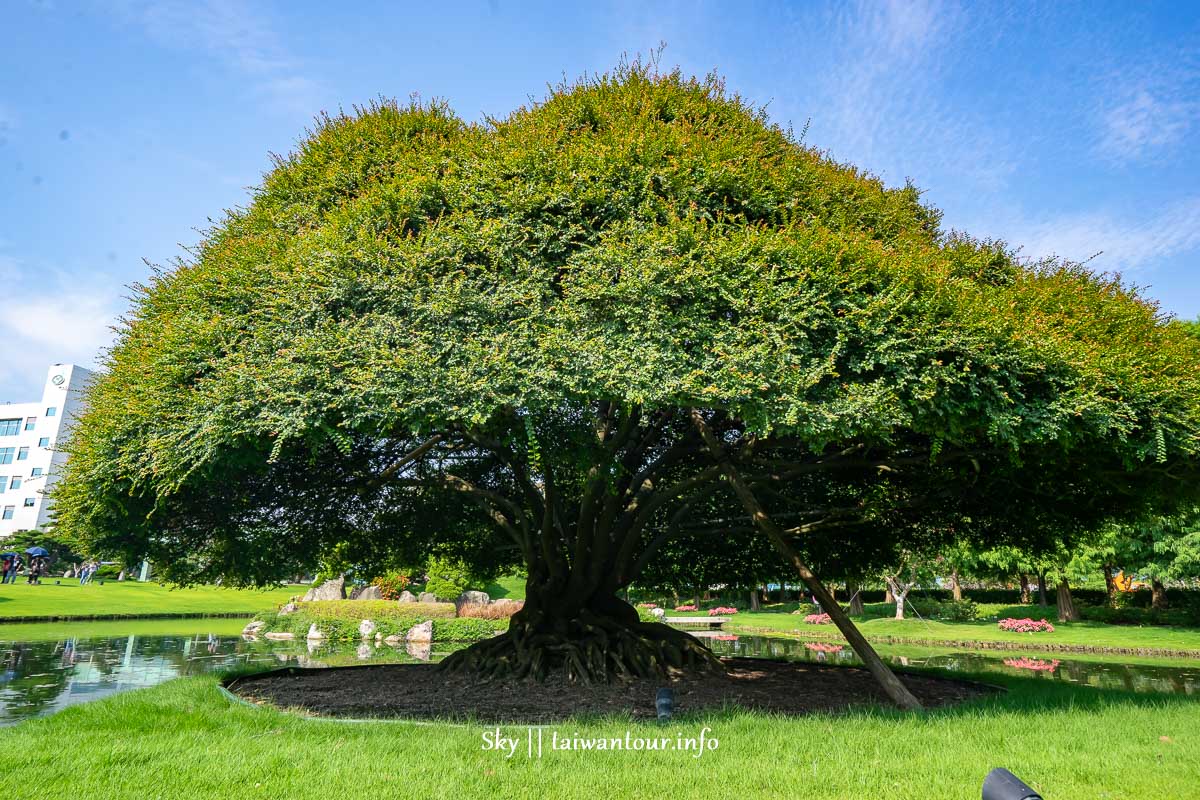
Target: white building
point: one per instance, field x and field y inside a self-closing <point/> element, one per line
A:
<point x="30" y="435"/>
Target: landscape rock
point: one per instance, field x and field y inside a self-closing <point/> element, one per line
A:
<point x="394" y="639"/>
<point x="420" y="633"/>
<point x="370" y="593"/>
<point x="253" y="628"/>
<point x="427" y="597"/>
<point x="279" y="637"/>
<point x="658" y="612"/>
<point x="407" y="597"/>
<point x="329" y="590"/>
<point x="314" y="632"/>
<point x="289" y="608"/>
<point x="366" y="629"/>
<point x="473" y="599"/>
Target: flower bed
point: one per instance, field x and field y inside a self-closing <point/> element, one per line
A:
<point x="818" y="619"/>
<point x="647" y="605"/>
<point x="1026" y="625"/>
<point x="722" y="611"/>
<point x="685" y="608"/>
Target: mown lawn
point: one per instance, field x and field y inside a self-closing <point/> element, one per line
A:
<point x="1091" y="634"/>
<point x="68" y="599"/>
<point x="184" y="739"/>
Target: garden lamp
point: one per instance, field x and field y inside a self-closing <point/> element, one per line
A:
<point x="1000" y="784"/>
<point x="664" y="703"/>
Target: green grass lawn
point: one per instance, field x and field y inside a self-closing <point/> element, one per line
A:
<point x="128" y="598"/>
<point x="1090" y="634"/>
<point x="184" y="739"/>
<point x="510" y="586"/>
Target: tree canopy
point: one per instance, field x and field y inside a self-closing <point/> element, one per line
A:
<point x="487" y="338"/>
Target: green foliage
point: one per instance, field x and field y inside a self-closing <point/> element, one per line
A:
<point x="420" y="328"/>
<point x="339" y="620"/>
<point x="466" y="629"/>
<point x="447" y="577"/>
<point x="63" y="551"/>
<point x="958" y="610"/>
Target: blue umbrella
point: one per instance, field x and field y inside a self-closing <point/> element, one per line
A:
<point x="9" y="554"/>
<point x="37" y="551"/>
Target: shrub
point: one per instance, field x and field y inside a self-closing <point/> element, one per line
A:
<point x="688" y="607"/>
<point x="466" y="629"/>
<point x="1026" y="626"/>
<point x="447" y="577"/>
<point x="358" y="610"/>
<point x="647" y="605"/>
<point x="958" y="610"/>
<point x="646" y="614"/>
<point x="818" y="619"/>
<point x="489" y="610"/>
<point x="722" y="611"/>
<point x="392" y="584"/>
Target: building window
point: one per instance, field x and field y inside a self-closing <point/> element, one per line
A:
<point x="6" y="455"/>
<point x="29" y="502"/>
<point x="51" y="411"/>
<point x="44" y="441"/>
<point x="16" y="482"/>
<point x="10" y="427"/>
<point x="30" y="423"/>
<point x="36" y="472"/>
<point x="8" y="512"/>
<point x="23" y="454"/>
<point x="3" y="483"/>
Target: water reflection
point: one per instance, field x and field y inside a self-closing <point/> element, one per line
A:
<point x="1164" y="678"/>
<point x="45" y="676"/>
<point x="40" y="677"/>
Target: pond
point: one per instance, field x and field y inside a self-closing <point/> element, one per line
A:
<point x="45" y="668"/>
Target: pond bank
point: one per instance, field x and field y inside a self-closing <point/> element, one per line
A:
<point x="828" y="632"/>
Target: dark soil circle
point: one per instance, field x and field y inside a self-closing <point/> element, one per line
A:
<point x="421" y="691"/>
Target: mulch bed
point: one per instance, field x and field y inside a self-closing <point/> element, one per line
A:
<point x="420" y="691"/>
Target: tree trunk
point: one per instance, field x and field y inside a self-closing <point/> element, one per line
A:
<point x="754" y="603"/>
<point x="599" y="641"/>
<point x="956" y="585"/>
<point x="1042" y="600"/>
<point x="1158" y="594"/>
<point x="900" y="593"/>
<point x="1066" y="606"/>
<point x="888" y="597"/>
<point x="895" y="689"/>
<point x="856" y="603"/>
<point x="1110" y="585"/>
<point x="1025" y="598"/>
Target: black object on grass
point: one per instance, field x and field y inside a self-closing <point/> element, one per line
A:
<point x="1000" y="784"/>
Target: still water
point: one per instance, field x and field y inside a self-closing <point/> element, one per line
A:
<point x="45" y="674"/>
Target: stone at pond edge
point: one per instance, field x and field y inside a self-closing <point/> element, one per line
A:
<point x="329" y="590"/>
<point x="289" y="608"/>
<point x="314" y="632"/>
<point x="280" y="637"/>
<point x="420" y="633"/>
<point x="366" y="629"/>
<point x="473" y="599"/>
<point x="394" y="639"/>
<point x="253" y="628"/>
<point x="407" y="597"/>
<point x="427" y="597"/>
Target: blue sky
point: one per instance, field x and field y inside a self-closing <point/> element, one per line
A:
<point x="1066" y="128"/>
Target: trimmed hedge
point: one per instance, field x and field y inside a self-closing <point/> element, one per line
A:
<point x="339" y="620"/>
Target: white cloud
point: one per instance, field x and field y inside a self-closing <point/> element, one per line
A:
<point x="63" y="319"/>
<point x="1124" y="244"/>
<point x="1145" y="111"/>
<point x="238" y="37"/>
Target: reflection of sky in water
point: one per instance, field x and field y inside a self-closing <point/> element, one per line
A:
<point x="42" y="677"/>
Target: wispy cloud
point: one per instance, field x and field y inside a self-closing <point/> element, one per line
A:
<point x="1150" y="111"/>
<point x="236" y="35"/>
<point x="882" y="102"/>
<point x="1124" y="244"/>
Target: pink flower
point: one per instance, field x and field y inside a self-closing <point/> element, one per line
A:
<point x="685" y="608"/>
<point x="818" y="619"/>
<point x="647" y="605"/>
<point x="821" y="647"/>
<point x="1026" y="625"/>
<point x="1035" y="664"/>
<point x="721" y="611"/>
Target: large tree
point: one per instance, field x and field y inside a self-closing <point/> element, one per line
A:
<point x="634" y="310"/>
